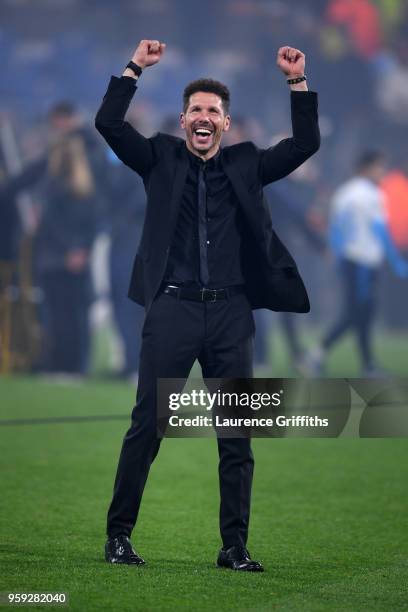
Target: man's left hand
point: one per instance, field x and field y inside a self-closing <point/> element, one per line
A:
<point x="291" y="61"/>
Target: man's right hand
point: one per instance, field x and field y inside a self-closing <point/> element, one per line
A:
<point x="148" y="53"/>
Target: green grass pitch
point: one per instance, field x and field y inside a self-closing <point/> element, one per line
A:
<point x="329" y="517"/>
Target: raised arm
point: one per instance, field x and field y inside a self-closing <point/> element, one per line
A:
<point x="132" y="148"/>
<point x="288" y="154"/>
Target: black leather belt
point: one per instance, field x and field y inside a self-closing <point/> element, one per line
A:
<point x="202" y="295"/>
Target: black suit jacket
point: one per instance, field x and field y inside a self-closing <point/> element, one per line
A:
<point x="271" y="276"/>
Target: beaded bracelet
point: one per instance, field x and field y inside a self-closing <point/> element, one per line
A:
<point x="297" y="80"/>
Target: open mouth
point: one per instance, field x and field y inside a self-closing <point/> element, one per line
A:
<point x="202" y="135"/>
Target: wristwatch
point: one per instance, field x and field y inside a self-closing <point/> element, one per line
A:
<point x="135" y="68"/>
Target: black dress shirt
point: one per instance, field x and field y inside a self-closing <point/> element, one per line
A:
<point x="212" y="241"/>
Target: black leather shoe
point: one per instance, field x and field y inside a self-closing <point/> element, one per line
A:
<point x="120" y="550"/>
<point x="238" y="558"/>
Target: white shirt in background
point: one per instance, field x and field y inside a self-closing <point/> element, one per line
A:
<point x="355" y="208"/>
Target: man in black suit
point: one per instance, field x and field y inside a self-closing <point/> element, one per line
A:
<point x="208" y="256"/>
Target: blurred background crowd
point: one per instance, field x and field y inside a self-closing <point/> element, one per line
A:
<point x="71" y="214"/>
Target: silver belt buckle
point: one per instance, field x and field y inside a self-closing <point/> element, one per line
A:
<point x="214" y="294"/>
<point x="169" y="287"/>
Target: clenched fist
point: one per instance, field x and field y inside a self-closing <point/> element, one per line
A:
<point x="148" y="53"/>
<point x="291" y="61"/>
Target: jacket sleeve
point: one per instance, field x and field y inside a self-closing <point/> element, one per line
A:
<point x="280" y="160"/>
<point x="128" y="144"/>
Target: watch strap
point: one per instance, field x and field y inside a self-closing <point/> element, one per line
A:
<point x="135" y="68"/>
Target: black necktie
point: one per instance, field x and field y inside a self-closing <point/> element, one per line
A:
<point x="202" y="226"/>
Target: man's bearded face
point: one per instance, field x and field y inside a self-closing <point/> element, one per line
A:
<point x="204" y="121"/>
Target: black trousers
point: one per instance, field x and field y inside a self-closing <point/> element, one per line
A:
<point x="67" y="301"/>
<point x="176" y="333"/>
<point x="358" y="307"/>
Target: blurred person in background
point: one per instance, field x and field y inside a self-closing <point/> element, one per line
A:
<point x="71" y="181"/>
<point x="395" y="187"/>
<point x="10" y="224"/>
<point x="67" y="230"/>
<point x="360" y="240"/>
<point x="361" y="20"/>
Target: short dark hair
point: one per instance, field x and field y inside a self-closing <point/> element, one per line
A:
<point x="62" y="109"/>
<point x="208" y="86"/>
<point x="368" y="159"/>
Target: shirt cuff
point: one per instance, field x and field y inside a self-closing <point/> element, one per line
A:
<point x="129" y="79"/>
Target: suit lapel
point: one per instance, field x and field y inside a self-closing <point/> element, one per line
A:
<point x="248" y="203"/>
